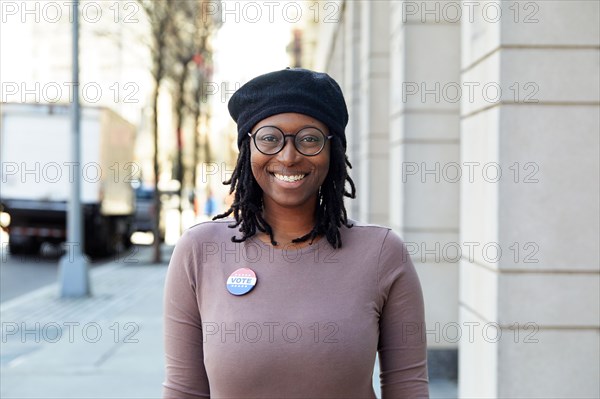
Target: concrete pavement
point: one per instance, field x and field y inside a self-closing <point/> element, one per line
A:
<point x="106" y="346"/>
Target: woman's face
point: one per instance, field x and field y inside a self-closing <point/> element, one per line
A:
<point x="272" y="171"/>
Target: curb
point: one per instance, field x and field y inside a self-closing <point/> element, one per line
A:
<point x="53" y="287"/>
<point x="96" y="272"/>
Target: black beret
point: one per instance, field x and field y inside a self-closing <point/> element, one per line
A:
<point x="296" y="90"/>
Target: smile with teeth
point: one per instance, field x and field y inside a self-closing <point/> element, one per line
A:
<point x="289" y="178"/>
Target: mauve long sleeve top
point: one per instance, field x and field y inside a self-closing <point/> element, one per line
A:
<point x="309" y="328"/>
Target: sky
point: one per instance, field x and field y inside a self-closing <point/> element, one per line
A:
<point x="244" y="50"/>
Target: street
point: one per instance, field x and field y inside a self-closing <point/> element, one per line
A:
<point x="20" y="274"/>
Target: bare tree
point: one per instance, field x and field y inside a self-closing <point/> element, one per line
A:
<point x="160" y="18"/>
<point x="192" y="55"/>
<point x="204" y="74"/>
<point x="179" y="41"/>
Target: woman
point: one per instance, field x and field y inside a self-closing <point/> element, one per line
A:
<point x="297" y="303"/>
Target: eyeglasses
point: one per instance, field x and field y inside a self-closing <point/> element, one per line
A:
<point x="270" y="140"/>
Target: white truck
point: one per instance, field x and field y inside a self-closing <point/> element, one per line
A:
<point x="36" y="173"/>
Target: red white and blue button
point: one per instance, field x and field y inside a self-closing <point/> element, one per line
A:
<point x="241" y="281"/>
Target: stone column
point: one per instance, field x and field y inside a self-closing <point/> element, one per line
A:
<point x="529" y="274"/>
<point x="372" y="163"/>
<point x="424" y="153"/>
<point x="351" y="89"/>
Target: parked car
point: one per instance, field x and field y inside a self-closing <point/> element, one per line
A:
<point x="144" y="209"/>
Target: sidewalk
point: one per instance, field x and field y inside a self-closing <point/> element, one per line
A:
<point x="106" y="346"/>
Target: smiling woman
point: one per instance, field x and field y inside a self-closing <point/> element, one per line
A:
<point x="301" y="302"/>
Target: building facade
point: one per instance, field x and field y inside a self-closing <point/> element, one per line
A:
<point x="474" y="133"/>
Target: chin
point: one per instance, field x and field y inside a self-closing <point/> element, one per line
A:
<point x="289" y="201"/>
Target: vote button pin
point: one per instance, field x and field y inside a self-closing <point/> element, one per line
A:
<point x="241" y="281"/>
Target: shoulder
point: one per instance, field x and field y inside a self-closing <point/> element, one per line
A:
<point x="367" y="234"/>
<point x="391" y="247"/>
<point x="210" y="229"/>
<point x="195" y="243"/>
<point x="199" y="235"/>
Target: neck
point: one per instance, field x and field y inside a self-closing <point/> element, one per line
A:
<point x="289" y="223"/>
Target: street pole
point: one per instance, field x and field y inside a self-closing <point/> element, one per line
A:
<point x="73" y="266"/>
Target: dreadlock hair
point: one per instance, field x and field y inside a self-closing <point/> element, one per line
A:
<point x="330" y="213"/>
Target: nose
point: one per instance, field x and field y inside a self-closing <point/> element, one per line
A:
<point x="289" y="155"/>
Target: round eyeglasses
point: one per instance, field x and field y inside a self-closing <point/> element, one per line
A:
<point x="270" y="140"/>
